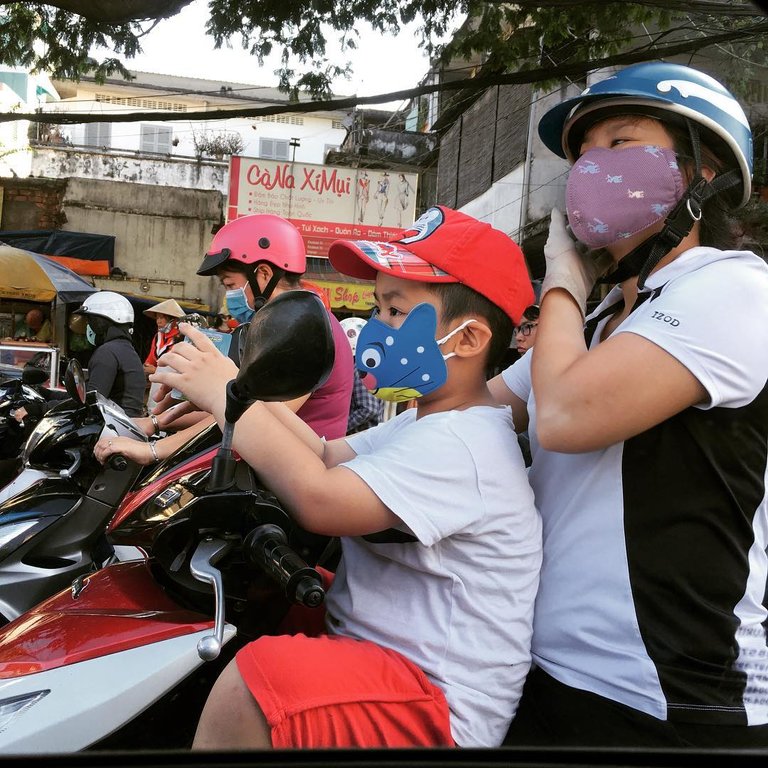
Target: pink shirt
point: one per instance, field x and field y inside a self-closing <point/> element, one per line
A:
<point x="327" y="408"/>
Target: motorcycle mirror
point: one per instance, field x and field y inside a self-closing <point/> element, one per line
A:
<point x="33" y="375"/>
<point x="74" y="381"/>
<point x="288" y="350"/>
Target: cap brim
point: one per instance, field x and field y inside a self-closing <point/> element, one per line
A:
<point x="211" y="262"/>
<point x="364" y="258"/>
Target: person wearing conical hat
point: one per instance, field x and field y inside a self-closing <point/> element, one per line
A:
<point x="166" y="315"/>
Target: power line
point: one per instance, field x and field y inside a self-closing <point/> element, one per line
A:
<point x="561" y="72"/>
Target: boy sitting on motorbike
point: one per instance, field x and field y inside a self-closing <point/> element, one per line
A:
<point x="428" y="623"/>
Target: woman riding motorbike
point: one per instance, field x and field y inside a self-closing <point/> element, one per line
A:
<point x="649" y="427"/>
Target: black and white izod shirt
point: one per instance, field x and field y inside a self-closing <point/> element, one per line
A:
<point x="653" y="588"/>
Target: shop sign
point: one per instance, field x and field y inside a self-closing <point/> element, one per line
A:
<point x="356" y="296"/>
<point x="324" y="202"/>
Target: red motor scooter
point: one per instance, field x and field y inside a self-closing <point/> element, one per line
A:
<point x="95" y="666"/>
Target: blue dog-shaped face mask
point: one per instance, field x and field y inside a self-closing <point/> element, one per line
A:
<point x="400" y="364"/>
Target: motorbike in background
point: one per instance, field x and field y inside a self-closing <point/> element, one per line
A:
<point x="54" y="514"/>
<point x="135" y="638"/>
<point x="25" y="392"/>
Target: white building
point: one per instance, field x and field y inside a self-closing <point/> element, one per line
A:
<point x="159" y="186"/>
<point x="165" y="152"/>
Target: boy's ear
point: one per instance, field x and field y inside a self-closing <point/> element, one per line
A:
<point x="473" y="340"/>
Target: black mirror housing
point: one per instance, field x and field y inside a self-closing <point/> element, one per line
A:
<point x="289" y="349"/>
<point x="74" y="381"/>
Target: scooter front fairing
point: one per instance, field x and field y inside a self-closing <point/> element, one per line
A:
<point x="88" y="660"/>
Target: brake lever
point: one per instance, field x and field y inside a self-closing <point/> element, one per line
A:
<point x="203" y="568"/>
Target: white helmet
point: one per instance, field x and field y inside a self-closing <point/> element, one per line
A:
<point x="352" y="327"/>
<point x="109" y="304"/>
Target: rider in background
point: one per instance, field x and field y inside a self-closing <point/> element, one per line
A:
<point x="256" y="258"/>
<point x="525" y="333"/>
<point x="114" y="369"/>
<point x="166" y="315"/>
<point x="649" y="427"/>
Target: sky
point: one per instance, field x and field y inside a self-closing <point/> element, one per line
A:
<point x="179" y="46"/>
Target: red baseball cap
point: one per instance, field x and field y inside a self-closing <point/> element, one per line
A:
<point x="445" y="246"/>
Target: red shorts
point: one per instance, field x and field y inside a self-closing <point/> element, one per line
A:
<point x="331" y="691"/>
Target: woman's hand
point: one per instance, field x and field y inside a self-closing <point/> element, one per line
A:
<point x="168" y="408"/>
<point x="198" y="370"/>
<point x="566" y="267"/>
<point x="145" y="424"/>
<point x="135" y="450"/>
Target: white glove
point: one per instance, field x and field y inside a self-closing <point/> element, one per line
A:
<point x="566" y="267"/>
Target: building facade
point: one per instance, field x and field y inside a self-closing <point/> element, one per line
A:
<point x="158" y="186"/>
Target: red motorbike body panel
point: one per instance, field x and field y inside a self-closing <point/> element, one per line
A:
<point x="135" y="499"/>
<point x="120" y="607"/>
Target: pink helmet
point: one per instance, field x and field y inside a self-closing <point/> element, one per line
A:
<point x="255" y="238"/>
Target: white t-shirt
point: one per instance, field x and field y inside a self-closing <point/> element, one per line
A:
<point x="653" y="588"/>
<point x="459" y="602"/>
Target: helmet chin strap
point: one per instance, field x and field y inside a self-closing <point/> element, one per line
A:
<point x="645" y="257"/>
<point x="260" y="298"/>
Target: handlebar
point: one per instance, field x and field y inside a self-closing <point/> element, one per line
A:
<point x="118" y="462"/>
<point x="267" y="547"/>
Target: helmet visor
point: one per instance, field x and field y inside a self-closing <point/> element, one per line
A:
<point x="212" y="261"/>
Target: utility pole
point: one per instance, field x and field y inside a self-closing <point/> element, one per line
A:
<point x="294" y="142"/>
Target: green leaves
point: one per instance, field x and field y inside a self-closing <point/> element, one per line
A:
<point x="496" y="37"/>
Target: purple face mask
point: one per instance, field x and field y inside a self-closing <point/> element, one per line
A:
<point x="613" y="194"/>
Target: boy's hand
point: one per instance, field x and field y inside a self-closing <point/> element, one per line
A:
<point x="568" y="269"/>
<point x="200" y="371"/>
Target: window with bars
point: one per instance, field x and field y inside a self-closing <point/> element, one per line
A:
<point x="98" y="135"/>
<point x="133" y="101"/>
<point x="284" y="119"/>
<point x="156" y="138"/>
<point x="273" y="149"/>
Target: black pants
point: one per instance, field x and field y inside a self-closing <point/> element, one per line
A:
<point x="555" y="715"/>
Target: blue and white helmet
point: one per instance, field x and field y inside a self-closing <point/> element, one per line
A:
<point x="655" y="88"/>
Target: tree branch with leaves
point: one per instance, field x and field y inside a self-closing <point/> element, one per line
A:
<point x="59" y="37"/>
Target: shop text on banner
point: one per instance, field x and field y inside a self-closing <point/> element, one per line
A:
<point x="357" y="296"/>
<point x="325" y="202"/>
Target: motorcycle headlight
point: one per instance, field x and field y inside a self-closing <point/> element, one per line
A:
<point x="11" y="533"/>
<point x="15" y="706"/>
